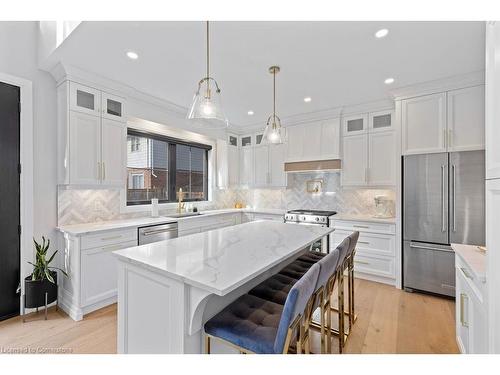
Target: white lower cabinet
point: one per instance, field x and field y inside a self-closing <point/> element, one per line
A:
<point x="99" y="277"/>
<point x="92" y="280"/>
<point x="471" y="318"/>
<point x="375" y="251"/>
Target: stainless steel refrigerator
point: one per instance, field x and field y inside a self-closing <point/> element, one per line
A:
<point x="443" y="203"/>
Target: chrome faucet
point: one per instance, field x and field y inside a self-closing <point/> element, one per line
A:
<point x="180" y="206"/>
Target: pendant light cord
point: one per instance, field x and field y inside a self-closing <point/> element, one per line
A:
<point x="274" y="96"/>
<point x="208" y="51"/>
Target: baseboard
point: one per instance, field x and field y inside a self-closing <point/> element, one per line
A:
<point x="377" y="279"/>
<point x="99" y="305"/>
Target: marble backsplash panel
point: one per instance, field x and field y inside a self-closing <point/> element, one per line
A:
<point x="86" y="206"/>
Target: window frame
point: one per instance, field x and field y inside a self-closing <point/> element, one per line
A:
<point x="172" y="163"/>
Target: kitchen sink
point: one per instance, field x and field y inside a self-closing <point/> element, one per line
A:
<point x="185" y="214"/>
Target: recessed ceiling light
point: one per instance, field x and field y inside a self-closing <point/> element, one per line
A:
<point x="307" y="99"/>
<point x="381" y="33"/>
<point x="250" y="113"/>
<point x="388" y="81"/>
<point x="132" y="55"/>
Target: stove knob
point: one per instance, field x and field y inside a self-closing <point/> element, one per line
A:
<point x="303" y="218"/>
<point x="317" y="219"/>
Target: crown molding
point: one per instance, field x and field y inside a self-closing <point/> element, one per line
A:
<point x="445" y="84"/>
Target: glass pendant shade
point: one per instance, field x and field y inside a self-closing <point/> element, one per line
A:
<point x="207" y="106"/>
<point x="272" y="132"/>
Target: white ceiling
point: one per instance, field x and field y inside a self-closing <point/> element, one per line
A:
<point x="335" y="63"/>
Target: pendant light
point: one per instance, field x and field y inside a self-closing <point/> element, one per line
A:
<point x="272" y="133"/>
<point x="206" y="102"/>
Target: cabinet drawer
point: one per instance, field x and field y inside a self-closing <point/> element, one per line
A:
<point x="99" y="273"/>
<point x="108" y="238"/>
<point x="379" y="266"/>
<point x="477" y="286"/>
<point x="364" y="226"/>
<point x="187" y="232"/>
<point x="371" y="243"/>
<point x="258" y="216"/>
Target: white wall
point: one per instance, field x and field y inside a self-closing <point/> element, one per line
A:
<point x="18" y="57"/>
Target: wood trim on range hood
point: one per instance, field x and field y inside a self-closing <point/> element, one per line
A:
<point x="313" y="165"/>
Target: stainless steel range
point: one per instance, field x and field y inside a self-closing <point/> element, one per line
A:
<point x="312" y="217"/>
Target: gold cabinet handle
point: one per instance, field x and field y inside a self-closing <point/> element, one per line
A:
<point x="361" y="226"/>
<point x="111" y="238"/>
<point x="361" y="262"/>
<point x="103" y="171"/>
<point x="463" y="297"/>
<point x="364" y="242"/>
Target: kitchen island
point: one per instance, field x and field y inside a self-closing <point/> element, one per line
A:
<point x="168" y="289"/>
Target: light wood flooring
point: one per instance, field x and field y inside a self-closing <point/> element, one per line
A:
<point x="389" y="321"/>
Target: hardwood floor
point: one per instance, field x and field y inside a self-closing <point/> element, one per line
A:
<point x="389" y="321"/>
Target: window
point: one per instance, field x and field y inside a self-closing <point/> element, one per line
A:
<point x="159" y="166"/>
<point x="135" y="143"/>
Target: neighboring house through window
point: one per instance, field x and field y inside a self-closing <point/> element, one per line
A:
<point x="158" y="166"/>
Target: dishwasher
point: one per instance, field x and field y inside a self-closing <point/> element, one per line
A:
<point x="157" y="232"/>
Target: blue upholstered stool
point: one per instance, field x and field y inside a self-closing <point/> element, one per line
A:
<point x="296" y="269"/>
<point x="274" y="289"/>
<point x="255" y="325"/>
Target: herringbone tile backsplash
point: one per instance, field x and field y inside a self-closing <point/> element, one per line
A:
<point x="87" y="206"/>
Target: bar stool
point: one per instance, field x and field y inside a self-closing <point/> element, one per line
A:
<point x="255" y="325"/>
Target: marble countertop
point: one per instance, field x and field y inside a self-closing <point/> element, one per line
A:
<point x="221" y="260"/>
<point x="359" y="217"/>
<point x="80" y="229"/>
<point x="474" y="258"/>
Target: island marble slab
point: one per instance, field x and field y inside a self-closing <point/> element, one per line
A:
<point x="221" y="260"/>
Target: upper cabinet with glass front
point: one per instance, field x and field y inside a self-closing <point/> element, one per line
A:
<point x="91" y="136"/>
<point x="355" y="124"/>
<point x="95" y="102"/>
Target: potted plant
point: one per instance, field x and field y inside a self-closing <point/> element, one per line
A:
<point x="41" y="286"/>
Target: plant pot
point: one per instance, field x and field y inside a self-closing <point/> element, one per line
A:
<point x="35" y="291"/>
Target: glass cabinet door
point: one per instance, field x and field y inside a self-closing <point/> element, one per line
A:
<point x="232" y="140"/>
<point x="355" y="124"/>
<point x="112" y="107"/>
<point x="84" y="99"/>
<point x="381" y="121"/>
<point x="246" y="141"/>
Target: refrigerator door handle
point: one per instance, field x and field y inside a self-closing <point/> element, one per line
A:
<point x="443" y="196"/>
<point x="429" y="247"/>
<point x="454" y="181"/>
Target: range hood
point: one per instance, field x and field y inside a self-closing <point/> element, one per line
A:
<point x="313" y="166"/>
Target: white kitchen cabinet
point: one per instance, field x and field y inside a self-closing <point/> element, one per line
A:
<point x="382" y="158"/>
<point x="233" y="165"/>
<point x="369" y="150"/>
<point x="222" y="164"/>
<point x="466" y="119"/>
<point x="355" y="160"/>
<point x="375" y="257"/>
<point x="380" y="121"/>
<point x="277" y="175"/>
<point x="84" y="99"/>
<point x="114" y="152"/>
<point x="261" y="166"/>
<point x="112" y="107"/>
<point x="314" y="141"/>
<point x="424" y="124"/>
<point x="92" y="281"/>
<point x="355" y="124"/>
<point x="84" y="148"/>
<point x="99" y="273"/>
<point x="246" y="166"/>
<point x="471" y="322"/>
<point x="91" y="142"/>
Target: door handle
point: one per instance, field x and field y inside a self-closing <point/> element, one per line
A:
<point x="454" y="180"/>
<point x="443" y="195"/>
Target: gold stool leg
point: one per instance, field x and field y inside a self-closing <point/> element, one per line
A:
<point x="328" y="326"/>
<point x="350" y="288"/>
<point x="323" y="323"/>
<point x="207" y="344"/>
<point x="341" y="310"/>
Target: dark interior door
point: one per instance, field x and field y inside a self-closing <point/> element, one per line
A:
<point x="9" y="200"/>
